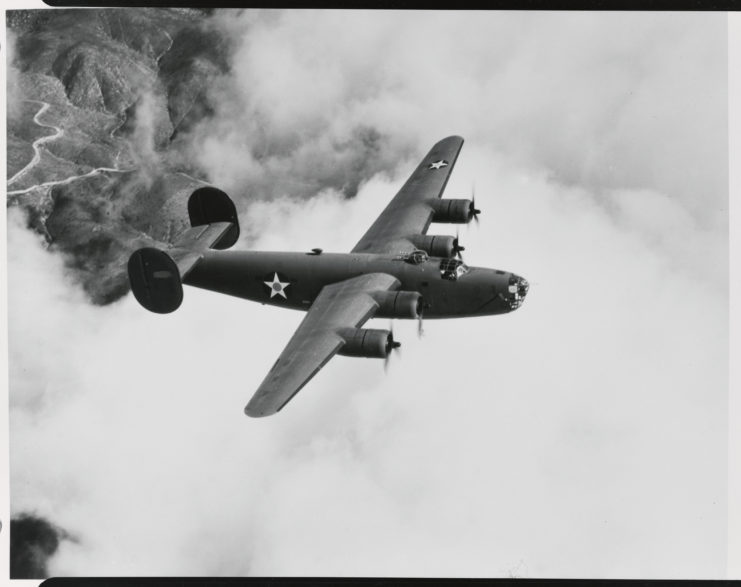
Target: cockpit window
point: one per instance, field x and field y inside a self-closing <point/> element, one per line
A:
<point x="452" y="269"/>
<point x="416" y="257"/>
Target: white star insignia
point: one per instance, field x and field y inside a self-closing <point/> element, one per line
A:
<point x="438" y="164"/>
<point x="277" y="287"/>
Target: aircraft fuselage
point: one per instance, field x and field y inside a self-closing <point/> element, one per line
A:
<point x="293" y="280"/>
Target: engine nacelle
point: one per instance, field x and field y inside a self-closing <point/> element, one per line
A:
<point x="436" y="245"/>
<point x="367" y="342"/>
<point x="452" y="211"/>
<point x="398" y="304"/>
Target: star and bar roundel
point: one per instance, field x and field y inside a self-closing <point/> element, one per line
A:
<point x="277" y="284"/>
<point x="438" y="164"/>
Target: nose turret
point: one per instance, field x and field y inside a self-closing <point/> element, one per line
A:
<point x="517" y="290"/>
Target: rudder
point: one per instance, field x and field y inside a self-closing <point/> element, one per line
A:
<point x="208" y="205"/>
<point x="155" y="280"/>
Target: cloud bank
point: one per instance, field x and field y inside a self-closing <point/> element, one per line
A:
<point x="601" y="103"/>
<point x="583" y="435"/>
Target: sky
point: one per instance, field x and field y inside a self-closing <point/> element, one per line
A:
<point x="584" y="435"/>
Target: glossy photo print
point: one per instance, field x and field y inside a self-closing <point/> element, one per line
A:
<point x="367" y="293"/>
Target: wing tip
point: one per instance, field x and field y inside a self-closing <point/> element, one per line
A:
<point x="451" y="145"/>
<point x="452" y="138"/>
<point x="256" y="410"/>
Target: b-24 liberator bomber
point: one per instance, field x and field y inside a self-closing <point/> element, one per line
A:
<point x="395" y="271"/>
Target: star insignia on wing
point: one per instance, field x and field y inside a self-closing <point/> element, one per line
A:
<point x="277" y="287"/>
<point x="438" y="164"/>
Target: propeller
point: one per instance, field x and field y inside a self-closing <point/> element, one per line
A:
<point x="457" y="248"/>
<point x="392" y="346"/>
<point x="474" y="211"/>
<point x="420" y="330"/>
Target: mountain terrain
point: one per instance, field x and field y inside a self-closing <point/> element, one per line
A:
<point x="95" y="100"/>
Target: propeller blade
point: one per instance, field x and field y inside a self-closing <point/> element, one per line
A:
<point x="420" y="330"/>
<point x="457" y="248"/>
<point x="393" y="347"/>
<point x="474" y="211"/>
<point x="396" y="348"/>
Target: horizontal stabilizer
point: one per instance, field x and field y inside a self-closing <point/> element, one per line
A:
<point x="190" y="245"/>
<point x="209" y="205"/>
<point x="155" y="280"/>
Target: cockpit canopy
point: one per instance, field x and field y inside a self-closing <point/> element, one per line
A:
<point x="452" y="269"/>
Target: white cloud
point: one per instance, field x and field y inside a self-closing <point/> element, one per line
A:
<point x="625" y="101"/>
<point x="583" y="435"/>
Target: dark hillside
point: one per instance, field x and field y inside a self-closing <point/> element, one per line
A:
<point x="117" y="86"/>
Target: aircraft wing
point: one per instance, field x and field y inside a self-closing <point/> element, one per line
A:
<point x="347" y="304"/>
<point x="407" y="214"/>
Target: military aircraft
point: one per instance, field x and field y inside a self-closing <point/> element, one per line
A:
<point x="394" y="271"/>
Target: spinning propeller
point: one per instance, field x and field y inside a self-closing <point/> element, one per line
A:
<point x="457" y="248"/>
<point x="392" y="347"/>
<point x="474" y="211"/>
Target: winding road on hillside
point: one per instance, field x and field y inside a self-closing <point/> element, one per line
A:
<point x="58" y="132"/>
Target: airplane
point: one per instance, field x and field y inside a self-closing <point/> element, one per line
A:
<point x="396" y="270"/>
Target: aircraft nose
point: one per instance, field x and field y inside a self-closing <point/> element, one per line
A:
<point x="518" y="288"/>
<point x="522" y="287"/>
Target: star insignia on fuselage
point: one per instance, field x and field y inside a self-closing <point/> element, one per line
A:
<point x="277" y="287"/>
<point x="438" y="164"/>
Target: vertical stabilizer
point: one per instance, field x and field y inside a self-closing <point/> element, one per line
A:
<point x="155" y="280"/>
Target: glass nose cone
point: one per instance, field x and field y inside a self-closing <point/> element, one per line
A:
<point x="518" y="288"/>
